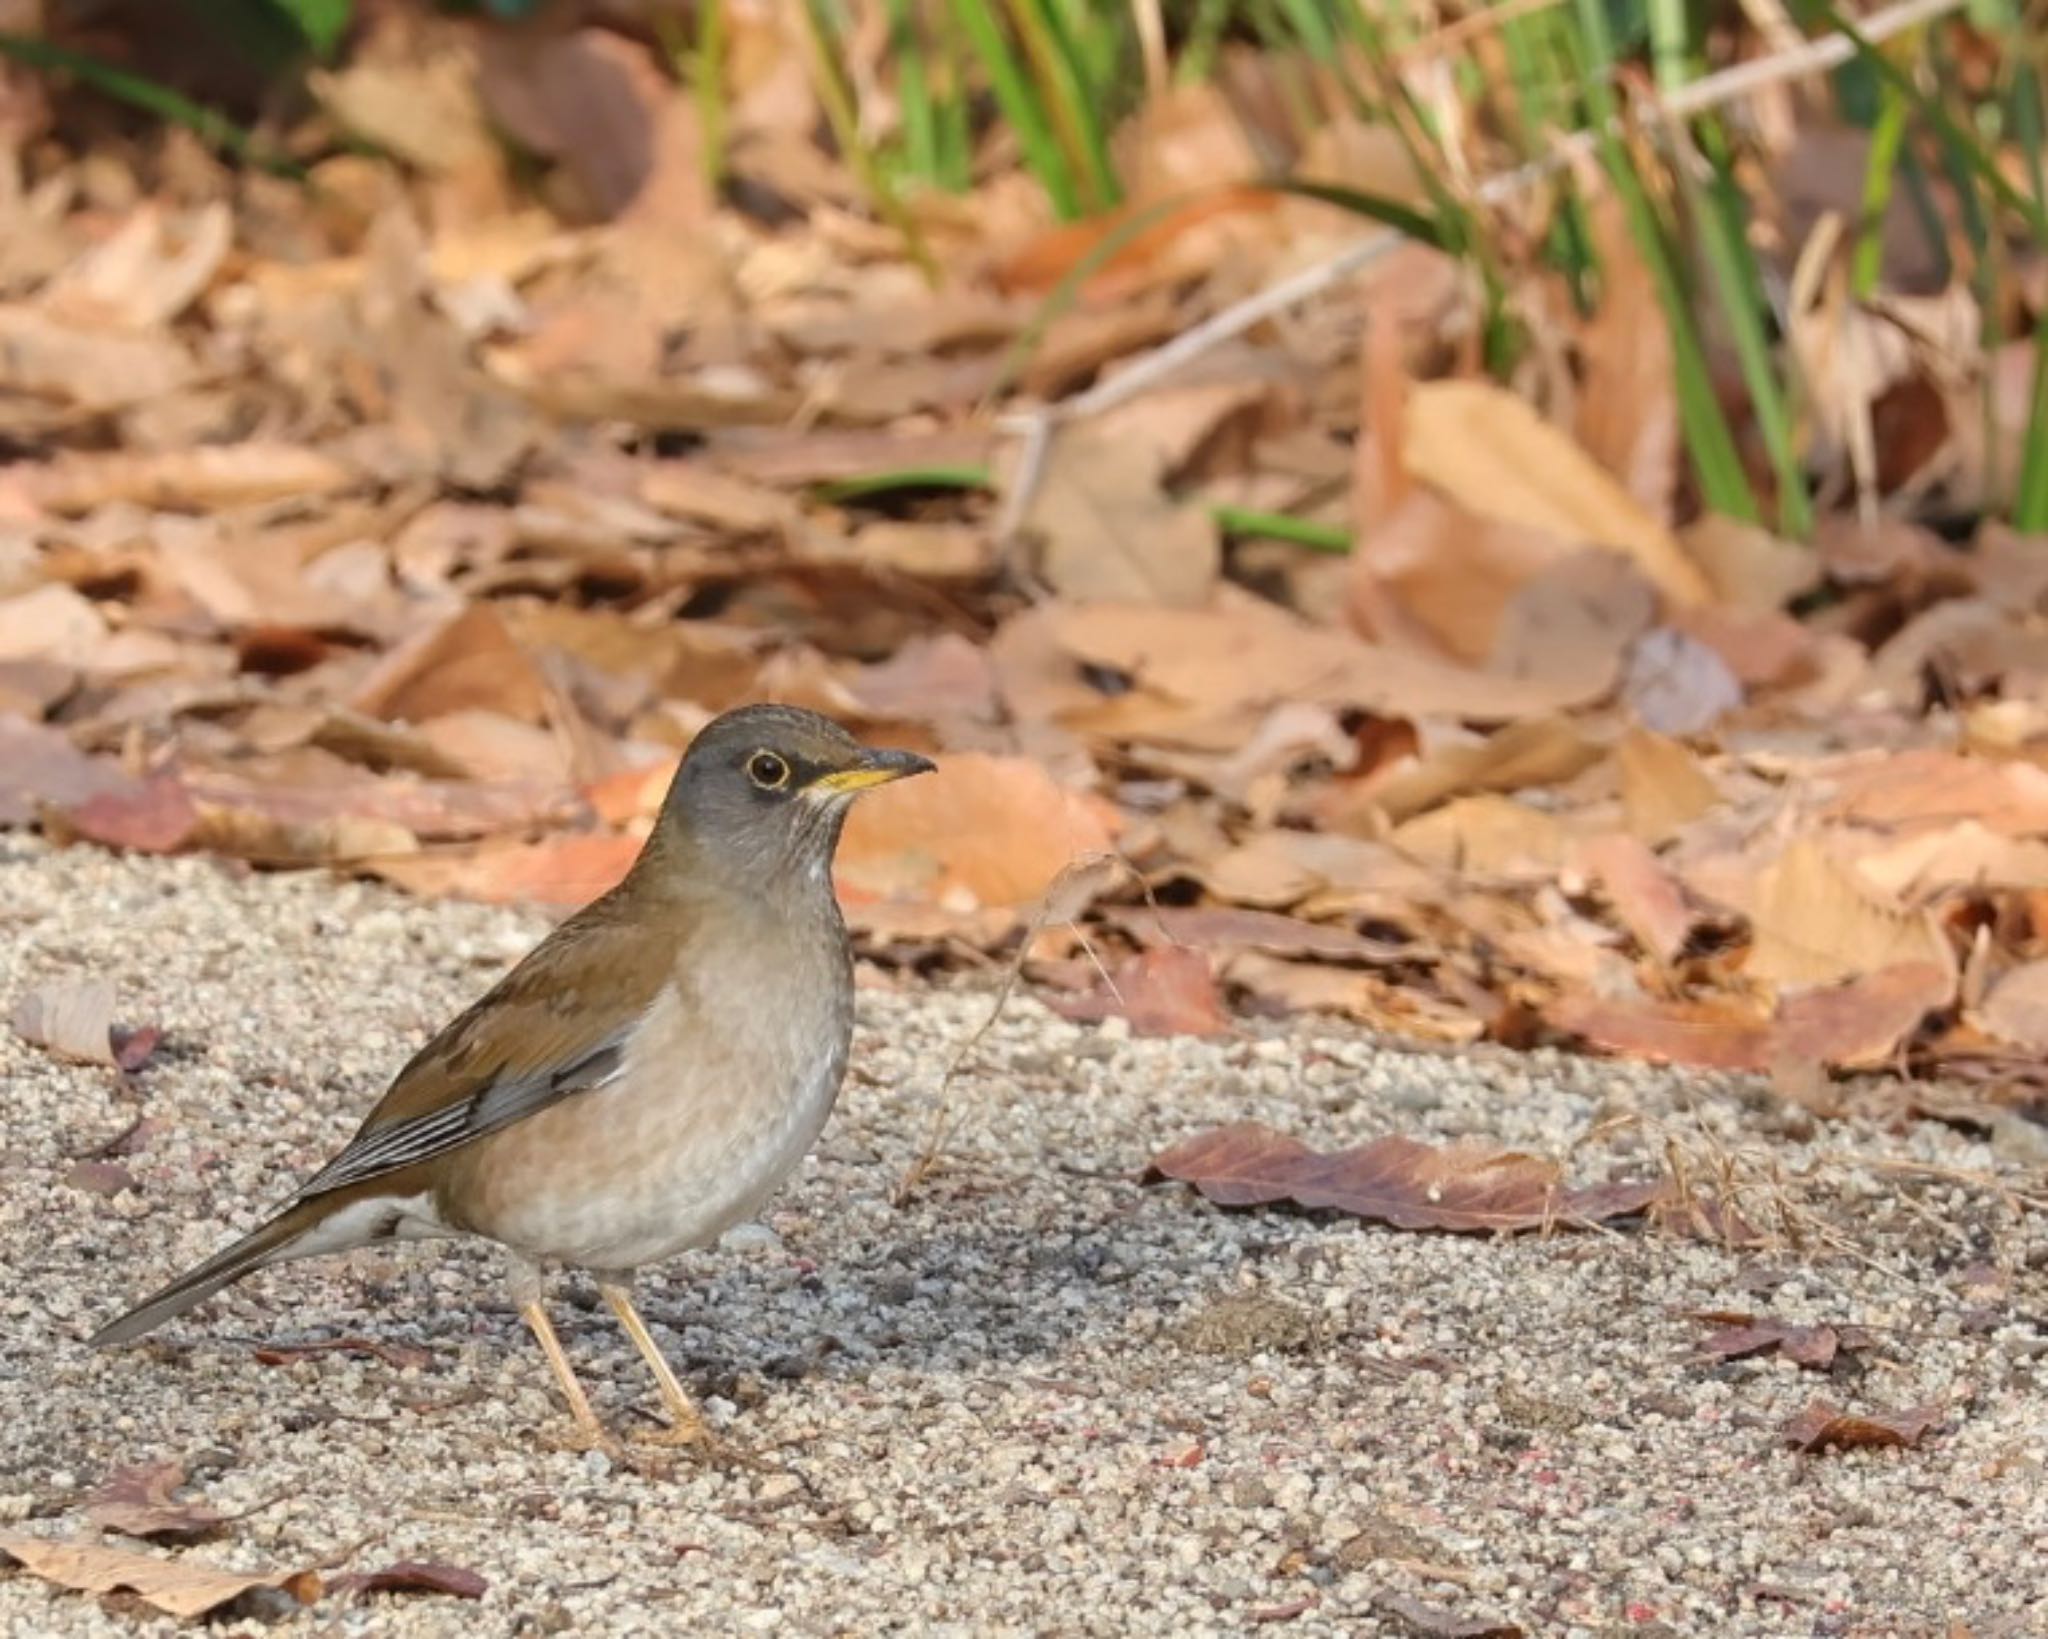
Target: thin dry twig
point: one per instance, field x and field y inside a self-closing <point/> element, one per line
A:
<point x="1063" y="901"/>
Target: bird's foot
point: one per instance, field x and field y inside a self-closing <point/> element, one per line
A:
<point x="696" y="1440"/>
<point x="580" y="1437"/>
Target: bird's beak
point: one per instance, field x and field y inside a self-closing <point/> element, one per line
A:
<point x="871" y="769"/>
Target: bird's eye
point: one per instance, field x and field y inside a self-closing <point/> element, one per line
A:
<point x="768" y="771"/>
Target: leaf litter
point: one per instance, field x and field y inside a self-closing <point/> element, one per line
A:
<point x="411" y="525"/>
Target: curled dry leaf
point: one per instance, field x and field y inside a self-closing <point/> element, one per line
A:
<point x="182" y="1588"/>
<point x="140" y="1501"/>
<point x="1826" y="1427"/>
<point x="412" y="1576"/>
<point x="1854" y="1025"/>
<point x="73" y="1019"/>
<point x="1739" y="1336"/>
<point x="1395" y="1180"/>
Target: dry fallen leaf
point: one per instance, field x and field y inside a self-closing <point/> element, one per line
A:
<point x="1495" y="453"/>
<point x="982" y="831"/>
<point x="2016" y="1008"/>
<point x="1169" y="990"/>
<point x="1738" y="1336"/>
<point x="1816" y="921"/>
<point x="183" y="1588"/>
<point x="412" y="1576"/>
<point x="1467" y="1187"/>
<point x="1109" y="533"/>
<point x="139" y="1501"/>
<point x="72" y="1018"/>
<point x="1647" y="898"/>
<point x="1826" y="1427"/>
<point x="563" y="871"/>
<point x="1663" y="787"/>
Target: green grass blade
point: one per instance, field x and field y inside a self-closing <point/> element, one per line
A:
<point x="1879" y="172"/>
<point x="1246" y="524"/>
<point x="866" y="484"/>
<point x="1416" y="224"/>
<point x="1020" y="105"/>
<point x="1709" y="441"/>
<point x="213" y="128"/>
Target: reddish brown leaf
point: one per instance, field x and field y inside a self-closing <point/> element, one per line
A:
<point x="566" y="871"/>
<point x="1169" y="990"/>
<point x="139" y="1502"/>
<point x="413" y="1576"/>
<point x="1396" y="1180"/>
<point x="398" y="1355"/>
<point x="155" y="817"/>
<point x="40" y="767"/>
<point x="1645" y="896"/>
<point x="1825" y="1427"/>
<point x="982" y="831"/>
<point x="1740" y="1336"/>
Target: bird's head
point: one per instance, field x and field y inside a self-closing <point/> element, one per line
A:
<point x="763" y="791"/>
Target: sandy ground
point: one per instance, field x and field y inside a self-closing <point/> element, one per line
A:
<point x="1039" y="1399"/>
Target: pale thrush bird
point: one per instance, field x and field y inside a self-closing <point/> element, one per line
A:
<point x="645" y="1078"/>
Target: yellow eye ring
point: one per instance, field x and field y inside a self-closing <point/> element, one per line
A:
<point x="768" y="771"/>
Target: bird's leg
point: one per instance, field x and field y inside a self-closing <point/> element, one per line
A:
<point x="687" y="1426"/>
<point x="587" y="1434"/>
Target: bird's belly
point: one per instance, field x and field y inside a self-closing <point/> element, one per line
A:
<point x="667" y="1157"/>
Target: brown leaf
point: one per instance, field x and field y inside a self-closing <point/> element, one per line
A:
<point x="1663" y="787"/>
<point x="1814" y="920"/>
<point x="41" y="767"/>
<point x="982" y="831"/>
<point x="1750" y="569"/>
<point x="73" y="1019"/>
<point x="1627" y="416"/>
<point x="138" y="1502"/>
<point x="1537" y="751"/>
<point x="52" y="623"/>
<point x="1855" y="1025"/>
<point x="1434" y="572"/>
<point x="1811" y="1346"/>
<point x="208" y="479"/>
<point x="1109" y="533"/>
<point x="156" y="816"/>
<point x="1860" y="1025"/>
<point x="178" y="1587"/>
<point x="470" y="661"/>
<point x="566" y="871"/>
<point x="412" y="1576"/>
<point x="1494" y="453"/>
<point x="1428" y="1621"/>
<point x="1824" y="1427"/>
<point x="1169" y="990"/>
<point x="2016" y="1009"/>
<point x="1232" y="928"/>
<point x="1722" y="1034"/>
<point x="1647" y="898"/>
<point x="1467" y="1187"/>
<point x="1486" y="835"/>
<point x="1317" y="987"/>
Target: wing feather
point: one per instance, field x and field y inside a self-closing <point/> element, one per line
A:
<point x="556" y="1026"/>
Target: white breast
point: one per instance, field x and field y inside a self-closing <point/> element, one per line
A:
<point x="695" y="1133"/>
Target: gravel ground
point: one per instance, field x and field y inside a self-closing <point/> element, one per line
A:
<point x="1040" y="1398"/>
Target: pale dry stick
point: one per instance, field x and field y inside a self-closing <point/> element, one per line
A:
<point x="1710" y="91"/>
<point x="1063" y="901"/>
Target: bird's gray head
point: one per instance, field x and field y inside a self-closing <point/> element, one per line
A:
<point x="763" y="792"/>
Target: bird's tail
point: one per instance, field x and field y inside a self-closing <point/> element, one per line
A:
<point x="272" y="1243"/>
